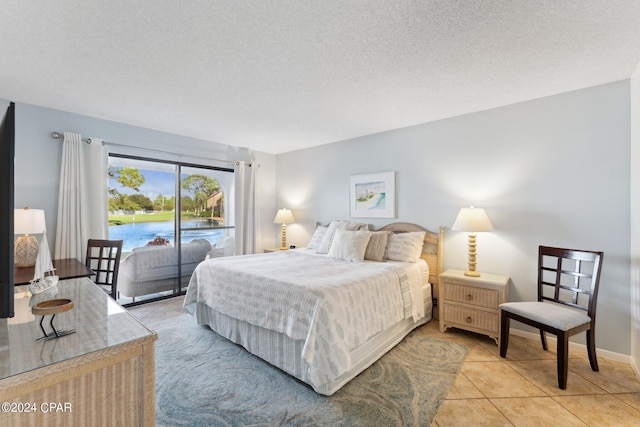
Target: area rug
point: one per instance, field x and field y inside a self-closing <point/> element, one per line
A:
<point x="204" y="380"/>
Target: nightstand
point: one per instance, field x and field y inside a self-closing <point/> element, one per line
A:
<point x="266" y="251"/>
<point x="472" y="303"/>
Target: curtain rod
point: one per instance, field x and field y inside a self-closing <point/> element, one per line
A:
<point x="58" y="135"/>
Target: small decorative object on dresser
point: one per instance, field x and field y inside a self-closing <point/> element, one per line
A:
<point x="51" y="308"/>
<point x="472" y="303"/>
<point x="26" y="223"/>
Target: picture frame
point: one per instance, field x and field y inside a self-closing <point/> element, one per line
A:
<point x="372" y="195"/>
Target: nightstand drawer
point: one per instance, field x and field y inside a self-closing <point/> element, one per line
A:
<point x="484" y="320"/>
<point x="471" y="295"/>
<point x="472" y="302"/>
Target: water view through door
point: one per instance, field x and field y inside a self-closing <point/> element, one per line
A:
<point x="161" y="249"/>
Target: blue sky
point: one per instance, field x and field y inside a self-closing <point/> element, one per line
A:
<point x="156" y="182"/>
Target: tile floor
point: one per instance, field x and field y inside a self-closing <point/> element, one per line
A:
<point x="520" y="390"/>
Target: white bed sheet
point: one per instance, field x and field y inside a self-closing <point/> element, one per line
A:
<point x="285" y="353"/>
<point x="331" y="306"/>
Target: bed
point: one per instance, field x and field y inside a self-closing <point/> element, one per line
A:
<point x="313" y="312"/>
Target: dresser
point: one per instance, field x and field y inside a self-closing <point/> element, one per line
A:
<point x="472" y="303"/>
<point x="101" y="375"/>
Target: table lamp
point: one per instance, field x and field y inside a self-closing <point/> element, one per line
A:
<point x="27" y="222"/>
<point x="472" y="220"/>
<point x="284" y="217"/>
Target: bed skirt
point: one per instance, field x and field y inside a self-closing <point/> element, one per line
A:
<point x="285" y="353"/>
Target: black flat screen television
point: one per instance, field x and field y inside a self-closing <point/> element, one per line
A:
<point x="7" y="159"/>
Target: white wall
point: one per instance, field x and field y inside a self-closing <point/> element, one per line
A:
<point x="635" y="220"/>
<point x="38" y="157"/>
<point x="552" y="171"/>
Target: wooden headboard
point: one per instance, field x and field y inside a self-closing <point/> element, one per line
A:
<point x="431" y="250"/>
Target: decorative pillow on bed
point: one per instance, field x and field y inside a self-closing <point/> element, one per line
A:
<point x="377" y="245"/>
<point x="349" y="245"/>
<point x="406" y="247"/>
<point x="317" y="237"/>
<point x="327" y="240"/>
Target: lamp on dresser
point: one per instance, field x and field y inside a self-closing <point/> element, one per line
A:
<point x="27" y="222"/>
<point x="472" y="220"/>
<point x="284" y="217"/>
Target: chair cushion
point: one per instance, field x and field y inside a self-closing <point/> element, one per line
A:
<point x="554" y="315"/>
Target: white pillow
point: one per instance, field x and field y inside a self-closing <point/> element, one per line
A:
<point x="405" y="247"/>
<point x="325" y="245"/>
<point x="349" y="245"/>
<point x="377" y="245"/>
<point x="317" y="237"/>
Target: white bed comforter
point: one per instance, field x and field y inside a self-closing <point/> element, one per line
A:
<point x="333" y="305"/>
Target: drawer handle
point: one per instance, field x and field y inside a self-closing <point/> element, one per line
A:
<point x="469" y="297"/>
<point x="469" y="320"/>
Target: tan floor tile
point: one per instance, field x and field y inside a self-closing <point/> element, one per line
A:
<point x="479" y="338"/>
<point x="544" y="374"/>
<point x="601" y="410"/>
<point x="536" y="411"/>
<point x="491" y="347"/>
<point x="632" y="399"/>
<point x="464" y="389"/>
<point x="497" y="379"/>
<point x="469" y="412"/>
<point x="614" y="377"/>
<point x="521" y="348"/>
<point x="579" y="353"/>
<point x="463" y="337"/>
<point x="479" y="353"/>
<point x="431" y="329"/>
<point x="536" y="345"/>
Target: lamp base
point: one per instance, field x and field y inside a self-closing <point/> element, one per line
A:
<point x="26" y="251"/>
<point x="471" y="272"/>
<point x="284" y="238"/>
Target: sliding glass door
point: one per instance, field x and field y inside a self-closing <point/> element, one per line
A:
<point x="170" y="216"/>
<point x="204" y="223"/>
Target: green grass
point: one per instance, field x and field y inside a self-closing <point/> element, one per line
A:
<point x="147" y="217"/>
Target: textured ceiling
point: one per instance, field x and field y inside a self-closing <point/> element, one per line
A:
<point x="277" y="76"/>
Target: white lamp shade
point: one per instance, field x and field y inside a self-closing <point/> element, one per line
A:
<point x="284" y="216"/>
<point x="28" y="221"/>
<point x="472" y="220"/>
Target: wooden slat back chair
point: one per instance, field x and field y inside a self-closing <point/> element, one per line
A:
<point x="568" y="283"/>
<point x="103" y="258"/>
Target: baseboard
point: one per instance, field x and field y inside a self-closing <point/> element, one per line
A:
<point x="606" y="354"/>
<point x="635" y="367"/>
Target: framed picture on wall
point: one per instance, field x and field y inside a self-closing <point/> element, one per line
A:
<point x="372" y="195"/>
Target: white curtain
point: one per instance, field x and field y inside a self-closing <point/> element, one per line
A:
<point x="245" y="216"/>
<point x="82" y="197"/>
